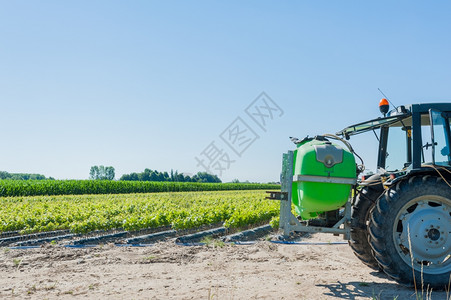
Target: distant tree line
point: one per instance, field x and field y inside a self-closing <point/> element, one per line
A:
<point x="154" y="175"/>
<point x="101" y="173"/>
<point x="23" y="176"/>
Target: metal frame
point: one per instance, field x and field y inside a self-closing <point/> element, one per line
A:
<point x="288" y="222"/>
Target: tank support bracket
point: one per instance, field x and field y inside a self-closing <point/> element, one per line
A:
<point x="281" y="196"/>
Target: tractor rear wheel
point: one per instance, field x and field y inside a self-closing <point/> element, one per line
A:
<point x="410" y="232"/>
<point x="360" y="212"/>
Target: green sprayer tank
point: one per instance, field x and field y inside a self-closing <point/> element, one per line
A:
<point x="323" y="174"/>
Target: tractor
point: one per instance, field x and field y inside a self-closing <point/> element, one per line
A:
<point x="398" y="220"/>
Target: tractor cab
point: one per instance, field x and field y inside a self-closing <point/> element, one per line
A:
<point x="412" y="138"/>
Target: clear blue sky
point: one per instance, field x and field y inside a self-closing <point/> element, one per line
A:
<point x="150" y="84"/>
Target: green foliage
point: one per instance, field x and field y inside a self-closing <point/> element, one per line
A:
<point x="23" y="176"/>
<point x="101" y="173"/>
<point x="153" y="175"/>
<point x="205" y="177"/>
<point x="274" y="222"/>
<point x="86" y="213"/>
<point x="9" y="188"/>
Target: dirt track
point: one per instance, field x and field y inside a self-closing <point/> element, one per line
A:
<point x="167" y="271"/>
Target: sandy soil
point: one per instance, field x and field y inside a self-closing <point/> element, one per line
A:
<point x="167" y="271"/>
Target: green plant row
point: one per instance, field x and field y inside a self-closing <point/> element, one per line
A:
<point x="86" y="213"/>
<point x="11" y="188"/>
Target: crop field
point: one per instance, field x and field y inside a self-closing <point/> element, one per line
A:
<point x="11" y="188"/>
<point x="180" y="210"/>
<point x="41" y="236"/>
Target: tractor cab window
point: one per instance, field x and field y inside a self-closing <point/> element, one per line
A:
<point x="427" y="156"/>
<point x="440" y="138"/>
<point x="396" y="155"/>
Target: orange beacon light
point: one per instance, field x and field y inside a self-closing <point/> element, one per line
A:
<point x="383" y="106"/>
